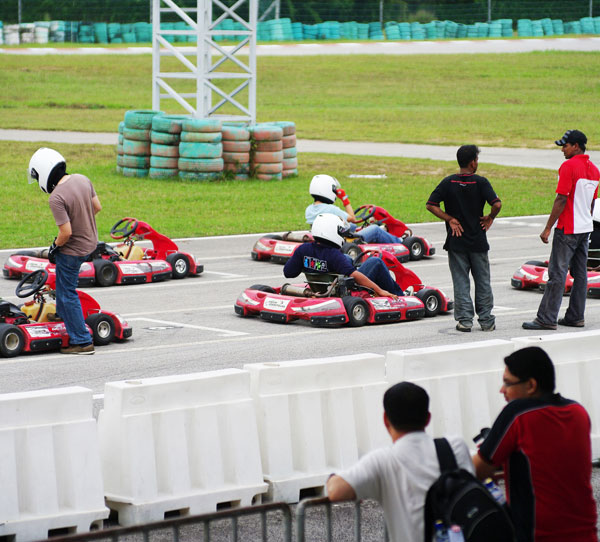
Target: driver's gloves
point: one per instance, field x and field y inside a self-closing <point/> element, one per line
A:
<point x="53" y="251"/>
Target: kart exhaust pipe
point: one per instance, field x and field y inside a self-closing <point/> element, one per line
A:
<point x="299" y="291"/>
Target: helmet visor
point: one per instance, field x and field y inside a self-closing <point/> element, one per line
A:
<point x="33" y="176"/>
<point x="344" y="230"/>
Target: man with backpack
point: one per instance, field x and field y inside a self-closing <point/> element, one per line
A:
<point x="542" y="441"/>
<point x="400" y="476"/>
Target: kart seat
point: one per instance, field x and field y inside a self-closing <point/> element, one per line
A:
<point x="9" y="310"/>
<point x="297" y="236"/>
<point x="322" y="282"/>
<point x="130" y="252"/>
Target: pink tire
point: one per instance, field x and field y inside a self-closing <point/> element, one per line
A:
<point x="266" y="132"/>
<point x="171" y="151"/>
<point x="237" y="157"/>
<point x="130" y="146"/>
<point x="288" y="141"/>
<point x="236" y="146"/>
<point x="269" y="146"/>
<point x="263" y="168"/>
<point x="267" y="157"/>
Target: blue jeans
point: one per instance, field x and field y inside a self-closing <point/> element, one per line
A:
<point x="68" y="305"/>
<point x="375" y="234"/>
<point x="567" y="251"/>
<point x="374" y="269"/>
<point x="476" y="263"/>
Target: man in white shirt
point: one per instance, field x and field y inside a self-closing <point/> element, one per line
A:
<point x="399" y="476"/>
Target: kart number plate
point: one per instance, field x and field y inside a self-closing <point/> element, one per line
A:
<point x="381" y="304"/>
<point x="285" y="248"/>
<point x="129" y="269"/>
<point x="39" y="332"/>
<point x="275" y="304"/>
<point x="33" y="265"/>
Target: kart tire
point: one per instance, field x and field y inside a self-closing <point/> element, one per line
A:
<point x="432" y="301"/>
<point x="266" y="132"/>
<point x="290" y="163"/>
<point x="12" y="340"/>
<point x="163" y="138"/>
<point x="236" y="146"/>
<point x="537" y="263"/>
<point x="168" y="124"/>
<point x="288" y="141"/>
<point x="288" y="127"/>
<point x="180" y="265"/>
<point x="357" y="310"/>
<point x="273" y="236"/>
<point x="416" y="247"/>
<point x="167" y="151"/>
<point x="140" y="118"/>
<point x="106" y="272"/>
<point x="103" y="328"/>
<point x="262" y="288"/>
<point x="168" y="162"/>
<point x="289" y="173"/>
<point x="267" y="157"/>
<point x="135" y="134"/>
<point x="162" y="173"/>
<point x="200" y="150"/>
<point x="269" y="146"/>
<point x="134" y="161"/>
<point x="276" y="167"/>
<point x="290" y="152"/>
<point x="138" y="148"/>
<point x="235" y="133"/>
<point x="200" y="164"/>
<point x="201" y="125"/>
<point x="201" y="137"/>
<point x="352" y="249"/>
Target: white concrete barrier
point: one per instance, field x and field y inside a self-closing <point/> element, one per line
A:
<point x="50" y="474"/>
<point x="182" y="444"/>
<point x="576" y="357"/>
<point x="463" y="383"/>
<point x="316" y="416"/>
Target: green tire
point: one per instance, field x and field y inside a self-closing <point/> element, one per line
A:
<point x="269" y="169"/>
<point x="289" y="173"/>
<point x="290" y="163"/>
<point x="164" y="138"/>
<point x="140" y="119"/>
<point x="164" y="162"/>
<point x="139" y="148"/>
<point x="241" y="167"/>
<point x="121" y="126"/>
<point x="120" y="149"/>
<point x="269" y="177"/>
<point x="120" y="139"/>
<point x="169" y="124"/>
<point x="197" y="175"/>
<point x="242" y="177"/>
<point x="201" y="137"/>
<point x="200" y="150"/>
<point x="202" y="125"/>
<point x="237" y="157"/>
<point x="134" y="172"/>
<point x="290" y="152"/>
<point x="164" y="150"/>
<point x="135" y="134"/>
<point x="135" y="161"/>
<point x="202" y="165"/>
<point x="162" y="173"/>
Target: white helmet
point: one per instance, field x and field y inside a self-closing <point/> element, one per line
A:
<point x="323" y="188"/>
<point x="41" y="167"/>
<point x="330" y="227"/>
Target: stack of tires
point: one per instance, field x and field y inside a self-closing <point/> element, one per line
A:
<point x="136" y="142"/>
<point x="236" y="149"/>
<point x="267" y="152"/>
<point x="375" y="31"/>
<point x="288" y="144"/>
<point x="120" y="148"/>
<point x="164" y="145"/>
<point x="200" y="149"/>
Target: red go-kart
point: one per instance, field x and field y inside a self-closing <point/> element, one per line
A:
<point x="279" y="248"/>
<point x="36" y="327"/>
<point x="333" y="300"/>
<point x="126" y="263"/>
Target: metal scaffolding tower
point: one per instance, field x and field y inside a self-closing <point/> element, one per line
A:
<point x="218" y="71"/>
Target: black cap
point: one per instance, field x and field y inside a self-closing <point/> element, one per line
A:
<point x="572" y="137"/>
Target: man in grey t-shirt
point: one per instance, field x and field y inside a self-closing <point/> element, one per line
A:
<point x="398" y="477"/>
<point x="74" y="204"/>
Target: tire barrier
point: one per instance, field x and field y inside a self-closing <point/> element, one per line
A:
<point x="184" y="444"/>
<point x="50" y="469"/>
<point x="267" y="165"/>
<point x="199" y="155"/>
<point x="136" y="142"/>
<point x="290" y="153"/>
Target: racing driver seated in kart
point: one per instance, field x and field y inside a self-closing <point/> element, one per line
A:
<point x="324" y="256"/>
<point x="324" y="190"/>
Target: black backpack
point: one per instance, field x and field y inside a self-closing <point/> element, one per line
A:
<point x="458" y="498"/>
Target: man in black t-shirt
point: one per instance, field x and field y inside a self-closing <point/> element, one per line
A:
<point x="464" y="195"/>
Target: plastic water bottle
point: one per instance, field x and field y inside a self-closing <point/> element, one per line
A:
<point x="496" y="492"/>
<point x="455" y="534"/>
<point x="440" y="535"/>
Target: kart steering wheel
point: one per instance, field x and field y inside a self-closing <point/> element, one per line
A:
<point x="364" y="212"/>
<point x="124" y="228"/>
<point x="356" y="262"/>
<point x="31" y="283"/>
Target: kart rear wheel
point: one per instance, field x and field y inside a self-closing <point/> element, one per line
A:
<point x="262" y="288"/>
<point x="357" y="310"/>
<point x="432" y="301"/>
<point x="103" y="328"/>
<point x="12" y="340"/>
<point x="537" y="263"/>
<point x="352" y="249"/>
<point x="416" y="248"/>
<point x="106" y="272"/>
<point x="273" y="236"/>
<point x="180" y="265"/>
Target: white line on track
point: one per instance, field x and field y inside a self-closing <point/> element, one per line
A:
<point x="222" y="332"/>
<point x="223" y="274"/>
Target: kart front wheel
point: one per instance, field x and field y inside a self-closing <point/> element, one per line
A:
<point x="103" y="328"/>
<point x="352" y="249"/>
<point x="12" y="340"/>
<point x="357" y="310"/>
<point x="106" y="272"/>
<point x="432" y="301"/>
<point x="180" y="265"/>
<point x="416" y="248"/>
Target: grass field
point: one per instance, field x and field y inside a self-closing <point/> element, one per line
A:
<point x="183" y="208"/>
<point x="515" y="100"/>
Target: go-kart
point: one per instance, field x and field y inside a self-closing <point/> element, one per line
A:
<point x="126" y="263"/>
<point x="533" y="274"/>
<point x="279" y="248"/>
<point x="332" y="300"/>
<point x="35" y="326"/>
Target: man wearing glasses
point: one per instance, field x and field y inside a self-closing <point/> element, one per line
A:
<point x="542" y="441"/>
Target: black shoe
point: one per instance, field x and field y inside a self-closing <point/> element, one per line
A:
<point x="565" y="322"/>
<point x="537" y="326"/>
<point x="462" y="327"/>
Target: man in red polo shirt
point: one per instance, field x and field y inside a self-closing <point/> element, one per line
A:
<point x="573" y="207"/>
<point x="542" y="441"/>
